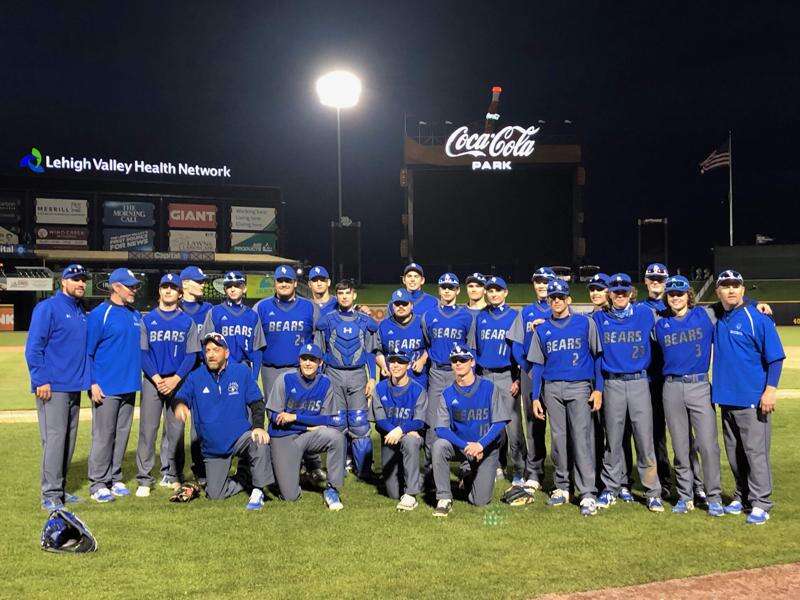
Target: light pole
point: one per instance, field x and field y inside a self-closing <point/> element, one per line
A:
<point x="339" y="89"/>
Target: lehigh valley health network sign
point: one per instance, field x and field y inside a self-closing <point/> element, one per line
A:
<point x="37" y="162"/>
<point x="494" y="151"/>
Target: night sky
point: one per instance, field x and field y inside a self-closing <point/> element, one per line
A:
<point x="652" y="89"/>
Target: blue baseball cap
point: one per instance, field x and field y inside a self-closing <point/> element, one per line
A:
<point x="599" y="281"/>
<point x="318" y="272"/>
<point x="233" y="278"/>
<point x="401" y="295"/>
<point x="729" y="276"/>
<point x="476" y="278"/>
<point x="399" y="355"/>
<point x="677" y="283"/>
<point x="285" y="272"/>
<point x="74" y="271"/>
<point x="656" y="271"/>
<point x="459" y="351"/>
<point x="414" y="267"/>
<point x="216" y="338"/>
<point x="543" y="273"/>
<point x="557" y="287"/>
<point x="170" y="279"/>
<point x="310" y="350"/>
<point x="497" y="282"/>
<point x="619" y="282"/>
<point x="123" y="276"/>
<point x="449" y="279"/>
<point x="192" y="273"/>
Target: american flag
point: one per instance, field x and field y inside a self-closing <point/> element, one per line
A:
<point x="721" y="157"/>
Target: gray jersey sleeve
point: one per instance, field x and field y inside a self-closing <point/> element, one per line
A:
<point x="378" y="342"/>
<point x="208" y="323"/>
<point x="471" y="336"/>
<point x="711" y="314"/>
<point x="421" y="408"/>
<point x="193" y="338"/>
<point x="143" y="342"/>
<point x="315" y="315"/>
<point x="441" y="418"/>
<point x="425" y="335"/>
<point x="502" y="405"/>
<point x="535" y="354"/>
<point x="595" y="346"/>
<point x="259" y="339"/>
<point x="277" y="397"/>
<point x="377" y="411"/>
<point x="516" y="333"/>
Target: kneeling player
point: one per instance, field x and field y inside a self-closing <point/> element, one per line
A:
<point x="217" y="394"/>
<point x="471" y="414"/>
<point x="399" y="408"/>
<point x="303" y="420"/>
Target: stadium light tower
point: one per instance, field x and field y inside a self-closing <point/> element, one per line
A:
<point x="339" y="89"/>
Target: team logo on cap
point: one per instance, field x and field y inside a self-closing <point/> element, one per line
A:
<point x="315" y="271"/>
<point x="398" y="294"/>
<point x="447" y="279"/>
<point x="283" y="270"/>
<point x="558" y="286"/>
<point x="170" y="277"/>
<point x="308" y="347"/>
<point x="129" y="272"/>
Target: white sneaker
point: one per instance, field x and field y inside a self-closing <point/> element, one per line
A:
<point x="143" y="491"/>
<point x="120" y="489"/>
<point x="256" y="501"/>
<point x="532" y="484"/>
<point x="103" y="495"/>
<point x="407" y="502"/>
<point x="166" y="483"/>
<point x="500" y="474"/>
<point x="558" y="497"/>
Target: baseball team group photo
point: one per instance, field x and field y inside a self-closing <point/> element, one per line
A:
<point x="408" y="301"/>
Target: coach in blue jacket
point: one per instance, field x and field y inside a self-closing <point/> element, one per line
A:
<point x="56" y="355"/>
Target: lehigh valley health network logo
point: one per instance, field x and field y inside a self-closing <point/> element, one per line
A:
<point x="33" y="161"/>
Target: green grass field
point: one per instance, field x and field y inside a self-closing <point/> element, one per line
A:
<point x="149" y="547"/>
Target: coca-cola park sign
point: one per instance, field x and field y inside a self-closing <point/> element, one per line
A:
<point x="493" y="151"/>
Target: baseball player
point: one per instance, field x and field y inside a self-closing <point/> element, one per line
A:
<point x="495" y="363"/>
<point x="399" y="409"/>
<point x="348" y="339"/>
<point x="565" y="352"/>
<point x="625" y="330"/>
<point x="403" y="331"/>
<point x="684" y="334"/>
<point x="113" y="348"/>
<point x="476" y="293"/>
<point x="471" y="415"/>
<point x="238" y="323"/>
<point x="319" y="282"/>
<point x="748" y="358"/>
<point x="442" y="327"/>
<point x="55" y="352"/>
<point x="521" y="334"/>
<point x="303" y="419"/>
<point x="217" y="395"/>
<point x="169" y="353"/>
<point x="413" y="279"/>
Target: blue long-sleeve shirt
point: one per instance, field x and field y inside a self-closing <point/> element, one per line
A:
<point x="113" y="348"/>
<point x="56" y="347"/>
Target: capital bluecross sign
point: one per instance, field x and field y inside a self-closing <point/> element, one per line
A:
<point x="32" y="161"/>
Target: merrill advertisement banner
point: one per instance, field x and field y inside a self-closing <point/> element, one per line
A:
<point x="64" y="238"/>
<point x="253" y="218"/>
<point x="62" y="211"/>
<point x="10" y="210"/>
<point x="192" y="241"/>
<point x="128" y="214"/>
<point x="192" y="216"/>
<point x="253" y="243"/>
<point x="128" y="239"/>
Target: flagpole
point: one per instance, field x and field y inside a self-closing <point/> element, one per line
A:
<point x="730" y="186"/>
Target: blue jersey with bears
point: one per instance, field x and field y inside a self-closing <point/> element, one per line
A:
<point x="171" y="336"/>
<point x="240" y="326"/>
<point x="444" y="326"/>
<point x="626" y="341"/>
<point x="491" y="326"/>
<point x="393" y="336"/>
<point x="686" y="342"/>
<point x="566" y="347"/>
<point x="310" y="400"/>
<point x="287" y="326"/>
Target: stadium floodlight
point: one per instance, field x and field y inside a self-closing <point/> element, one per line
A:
<point x="339" y="89"/>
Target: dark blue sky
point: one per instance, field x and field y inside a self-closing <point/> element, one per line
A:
<point x="652" y="89"/>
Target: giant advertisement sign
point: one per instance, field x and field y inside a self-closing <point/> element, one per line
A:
<point x="128" y="214"/>
<point x="192" y="216"/>
<point x="128" y="239"/>
<point x="64" y="238"/>
<point x="255" y="243"/>
<point x="67" y="211"/>
<point x="192" y="241"/>
<point x="253" y="218"/>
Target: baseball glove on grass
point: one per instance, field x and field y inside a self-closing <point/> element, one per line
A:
<point x="517" y="496"/>
<point x="186" y="493"/>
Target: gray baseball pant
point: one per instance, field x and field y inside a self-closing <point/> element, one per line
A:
<point x="151" y="408"/>
<point x="482" y="473"/>
<point x="407" y="453"/>
<point x="218" y="483"/>
<point x="438" y="380"/>
<point x="516" y="440"/>
<point x="269" y="375"/>
<point x="623" y="398"/>
<point x="348" y="387"/>
<point x="111" y="428"/>
<point x="58" y="429"/>
<point x="748" y="434"/>
<point x="535" y="434"/>
<point x="288" y="451"/>
<point x="688" y="408"/>
<point x="571" y="434"/>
